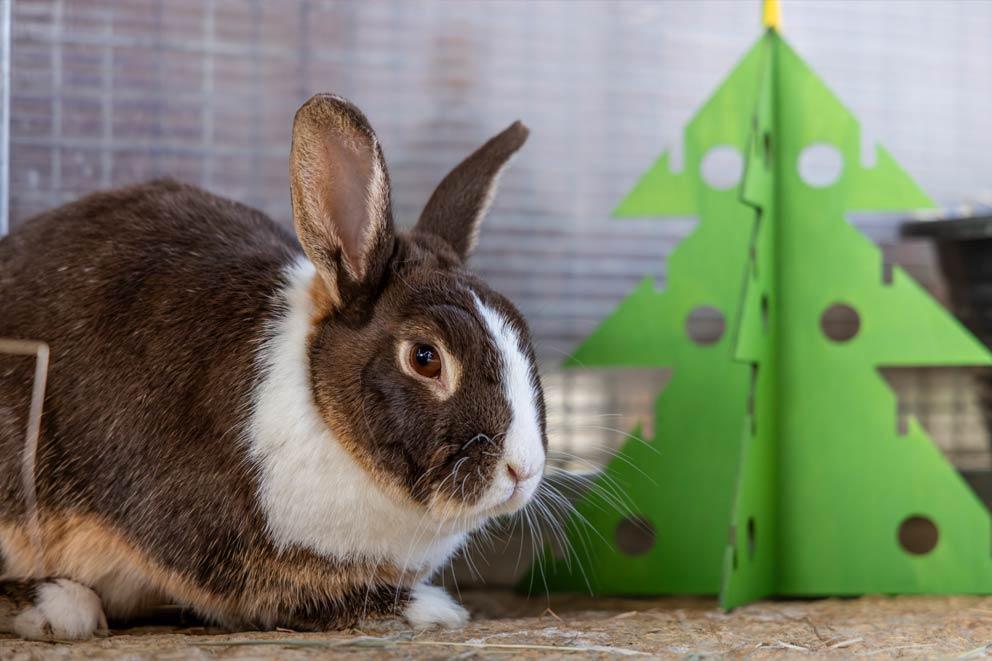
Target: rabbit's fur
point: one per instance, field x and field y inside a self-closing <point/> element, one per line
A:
<point x="243" y="427"/>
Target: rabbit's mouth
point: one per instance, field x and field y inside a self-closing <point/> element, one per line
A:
<point x="522" y="494"/>
<point x="509" y="497"/>
<point x="504" y="495"/>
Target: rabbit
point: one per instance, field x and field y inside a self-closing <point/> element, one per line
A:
<point x="267" y="431"/>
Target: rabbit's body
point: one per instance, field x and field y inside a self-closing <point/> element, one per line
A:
<point x="213" y="431"/>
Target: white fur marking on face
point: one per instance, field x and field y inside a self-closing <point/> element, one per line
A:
<point x="313" y="492"/>
<point x="431" y="606"/>
<point x="63" y="610"/>
<point x="523" y="448"/>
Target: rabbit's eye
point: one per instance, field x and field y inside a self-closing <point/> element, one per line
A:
<point x="426" y="361"/>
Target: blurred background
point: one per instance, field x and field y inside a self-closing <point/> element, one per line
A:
<point x="102" y="93"/>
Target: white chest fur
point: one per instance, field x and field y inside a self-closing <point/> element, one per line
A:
<point x="313" y="492"/>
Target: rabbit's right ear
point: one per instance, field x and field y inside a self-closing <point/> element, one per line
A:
<point x="340" y="193"/>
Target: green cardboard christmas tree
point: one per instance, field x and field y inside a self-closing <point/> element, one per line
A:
<point x="778" y="466"/>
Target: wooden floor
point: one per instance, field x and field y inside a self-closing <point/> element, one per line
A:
<point x="506" y="626"/>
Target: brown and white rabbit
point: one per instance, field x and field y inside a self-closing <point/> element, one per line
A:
<point x="268" y="436"/>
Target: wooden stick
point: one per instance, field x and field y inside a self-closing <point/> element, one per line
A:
<point x="29" y="458"/>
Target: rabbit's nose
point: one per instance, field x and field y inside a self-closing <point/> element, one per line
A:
<point x="520" y="473"/>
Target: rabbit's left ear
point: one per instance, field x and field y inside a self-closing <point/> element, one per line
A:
<point x="340" y="192"/>
<point x="456" y="209"/>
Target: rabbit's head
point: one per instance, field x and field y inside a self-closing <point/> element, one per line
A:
<point x="426" y="375"/>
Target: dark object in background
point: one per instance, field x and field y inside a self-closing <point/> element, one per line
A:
<point x="964" y="250"/>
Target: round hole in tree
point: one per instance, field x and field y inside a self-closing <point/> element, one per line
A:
<point x="722" y="167"/>
<point x="750" y="537"/>
<point x="918" y="534"/>
<point x="820" y="164"/>
<point x="705" y="325"/>
<point x="840" y="322"/>
<point x="635" y="535"/>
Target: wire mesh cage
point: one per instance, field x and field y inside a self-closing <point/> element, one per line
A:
<point x="103" y="93"/>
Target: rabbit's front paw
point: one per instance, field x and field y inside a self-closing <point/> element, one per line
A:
<point x="62" y="610"/>
<point x="430" y="606"/>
